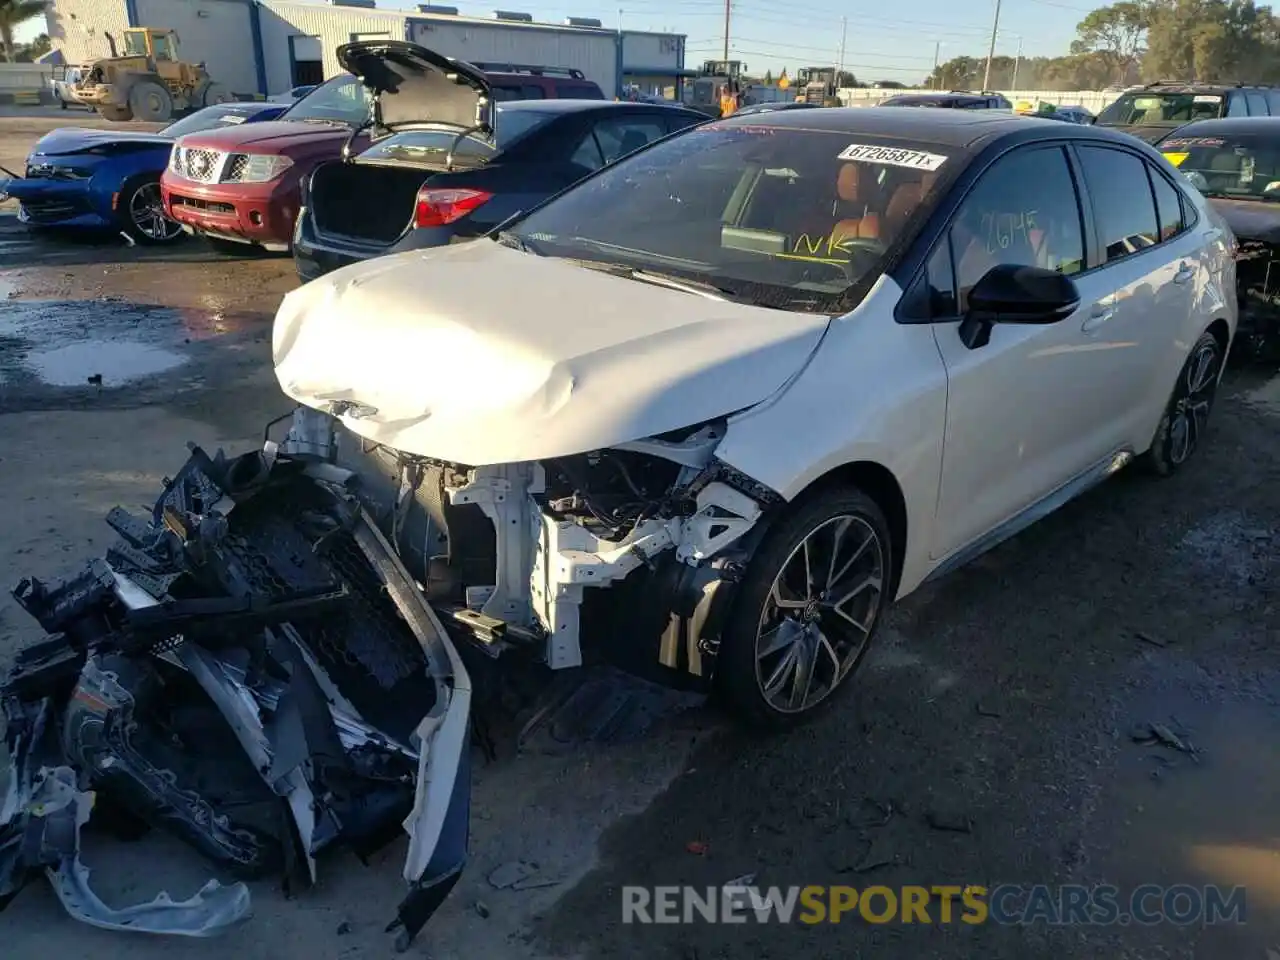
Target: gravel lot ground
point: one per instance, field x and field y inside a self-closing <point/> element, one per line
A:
<point x="1001" y="699"/>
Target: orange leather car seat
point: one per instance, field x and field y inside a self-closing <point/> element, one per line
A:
<point x="849" y="191"/>
<point x="905" y="199"/>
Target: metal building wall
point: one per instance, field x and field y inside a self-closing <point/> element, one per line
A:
<point x="651" y="52"/>
<point x="281" y="19"/>
<point x="594" y="52"/>
<point x="217" y="32"/>
<point x="78" y="27"/>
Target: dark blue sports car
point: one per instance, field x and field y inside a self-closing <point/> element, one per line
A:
<point x="110" y="179"/>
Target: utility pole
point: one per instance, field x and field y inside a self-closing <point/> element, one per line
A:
<point x="1017" y="59"/>
<point x="991" y="50"/>
<point x="937" y="49"/>
<point x="835" y="85"/>
<point x="728" y="8"/>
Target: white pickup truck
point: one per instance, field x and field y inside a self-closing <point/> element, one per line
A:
<point x="62" y="81"/>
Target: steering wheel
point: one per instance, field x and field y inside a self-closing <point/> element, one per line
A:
<point x="863" y="252"/>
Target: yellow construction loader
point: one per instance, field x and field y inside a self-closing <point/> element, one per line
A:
<point x="147" y="81"/>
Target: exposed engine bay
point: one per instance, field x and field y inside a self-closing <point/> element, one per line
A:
<point x="266" y="665"/>
<point x="513" y="551"/>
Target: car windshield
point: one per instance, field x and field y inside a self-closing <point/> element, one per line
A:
<point x="206" y="119"/>
<point x="1245" y="167"/>
<point x="1138" y="109"/>
<point x="343" y="99"/>
<point x="779" y="217"/>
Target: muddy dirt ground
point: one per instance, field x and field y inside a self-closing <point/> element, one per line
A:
<point x="1000" y="701"/>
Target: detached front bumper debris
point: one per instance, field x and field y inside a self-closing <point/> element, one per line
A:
<point x="251" y="669"/>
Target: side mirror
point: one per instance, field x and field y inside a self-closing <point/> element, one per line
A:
<point x="1009" y="293"/>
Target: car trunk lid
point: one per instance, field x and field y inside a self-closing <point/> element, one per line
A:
<point x="411" y="84"/>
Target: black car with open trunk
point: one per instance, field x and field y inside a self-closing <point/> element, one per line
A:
<point x="449" y="163"/>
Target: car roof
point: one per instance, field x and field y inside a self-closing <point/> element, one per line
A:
<point x="1170" y="87"/>
<point x="1229" y="125"/>
<point x="953" y="128"/>
<point x="567" y="105"/>
<point x="909" y="98"/>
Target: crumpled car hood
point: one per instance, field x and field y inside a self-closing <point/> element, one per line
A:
<point x="479" y="354"/>
<point x="66" y="140"/>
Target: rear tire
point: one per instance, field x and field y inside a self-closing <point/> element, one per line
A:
<point x="1186" y="418"/>
<point x="150" y="102"/>
<point x="807" y="609"/>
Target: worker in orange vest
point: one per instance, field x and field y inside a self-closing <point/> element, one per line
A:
<point x="729" y="98"/>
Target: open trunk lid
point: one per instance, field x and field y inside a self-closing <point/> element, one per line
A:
<point x="412" y="84"/>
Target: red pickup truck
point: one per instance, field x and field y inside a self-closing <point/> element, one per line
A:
<point x="242" y="185"/>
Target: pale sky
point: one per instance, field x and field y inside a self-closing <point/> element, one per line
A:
<point x="894" y="42"/>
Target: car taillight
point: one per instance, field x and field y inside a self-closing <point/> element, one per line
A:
<point x="440" y="205"/>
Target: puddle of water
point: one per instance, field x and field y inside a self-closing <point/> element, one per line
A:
<point x="116" y="362"/>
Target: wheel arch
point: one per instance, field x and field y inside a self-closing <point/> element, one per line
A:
<point x="879" y="483"/>
<point x="1221" y="332"/>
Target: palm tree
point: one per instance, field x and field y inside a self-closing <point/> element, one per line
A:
<point x="12" y="13"/>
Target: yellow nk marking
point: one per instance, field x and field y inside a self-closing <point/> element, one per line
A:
<point x="1176" y="158"/>
<point x="809" y="247"/>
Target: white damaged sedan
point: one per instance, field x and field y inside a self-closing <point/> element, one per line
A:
<point x="708" y="412"/>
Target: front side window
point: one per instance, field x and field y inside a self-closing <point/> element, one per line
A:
<point x="1138" y="109"/>
<point x="788" y="218"/>
<point x="1257" y="104"/>
<point x="1236" y="106"/>
<point x="343" y="99"/>
<point x="1023" y="211"/>
<point x="1240" y="167"/>
<point x="1122" y="200"/>
<point x="135" y="44"/>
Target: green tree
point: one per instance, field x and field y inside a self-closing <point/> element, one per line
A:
<point x="33" y="51"/>
<point x="1116" y="36"/>
<point x="13" y="13"/>
<point x="768" y="78"/>
<point x="1212" y="41"/>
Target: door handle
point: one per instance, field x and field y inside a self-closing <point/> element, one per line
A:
<point x="1098" y="315"/>
<point x="1184" y="274"/>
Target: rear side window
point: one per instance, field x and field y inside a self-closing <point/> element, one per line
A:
<point x="611" y="139"/>
<point x="1273" y="101"/>
<point x="1257" y="103"/>
<point x="1168" y="205"/>
<point x="578" y="90"/>
<point x="1122" y="200"/>
<point x="1236" y="106"/>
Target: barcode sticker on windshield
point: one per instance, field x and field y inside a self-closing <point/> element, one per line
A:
<point x="916" y="159"/>
<point x="1206" y="98"/>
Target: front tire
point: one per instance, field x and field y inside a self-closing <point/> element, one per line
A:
<point x="142" y="209"/>
<point x="1186" y="418"/>
<point x="807" y="609"/>
<point x="150" y="102"/>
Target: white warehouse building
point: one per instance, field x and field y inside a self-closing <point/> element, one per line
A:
<point x="264" y="47"/>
